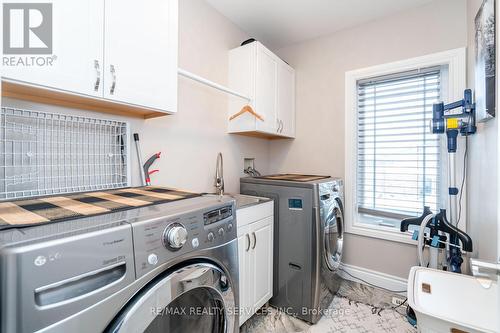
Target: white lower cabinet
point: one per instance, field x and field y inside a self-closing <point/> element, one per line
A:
<point x="255" y="252"/>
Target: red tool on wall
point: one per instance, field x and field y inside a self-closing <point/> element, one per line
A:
<point x="147" y="165"/>
<point x="144" y="168"/>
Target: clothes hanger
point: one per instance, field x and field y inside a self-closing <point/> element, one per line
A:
<point x="247" y="108"/>
<point x="415" y="220"/>
<point x="442" y="224"/>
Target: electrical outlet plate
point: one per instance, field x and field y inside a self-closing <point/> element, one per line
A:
<point x="397" y="300"/>
<point x="248" y="163"/>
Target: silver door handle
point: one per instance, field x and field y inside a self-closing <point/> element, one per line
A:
<point x="113" y="85"/>
<point x="281" y="130"/>
<point x="254" y="240"/>
<point x="278" y="123"/>
<point x="98" y="75"/>
<point x="248" y="240"/>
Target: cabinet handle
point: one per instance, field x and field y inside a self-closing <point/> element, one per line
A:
<point x="254" y="240"/>
<point x="248" y="240"/>
<point x="98" y="75"/>
<point x="278" y="123"/>
<point x="281" y="127"/>
<point x="113" y="85"/>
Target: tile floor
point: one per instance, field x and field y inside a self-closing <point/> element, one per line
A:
<point x="356" y="308"/>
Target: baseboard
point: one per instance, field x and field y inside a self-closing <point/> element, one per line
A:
<point x="379" y="279"/>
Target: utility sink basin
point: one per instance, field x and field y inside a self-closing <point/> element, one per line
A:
<point x="243" y="201"/>
<point x="450" y="302"/>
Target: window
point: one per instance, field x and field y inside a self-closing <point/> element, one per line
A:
<point x="399" y="161"/>
<point x="393" y="164"/>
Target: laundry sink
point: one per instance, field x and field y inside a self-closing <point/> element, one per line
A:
<point x="243" y="201"/>
<point x="450" y="302"/>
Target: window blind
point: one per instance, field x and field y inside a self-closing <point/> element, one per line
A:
<point x="399" y="160"/>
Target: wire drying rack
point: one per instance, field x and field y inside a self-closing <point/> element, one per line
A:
<point x="46" y="153"/>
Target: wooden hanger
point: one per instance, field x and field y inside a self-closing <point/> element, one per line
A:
<point x="247" y="108"/>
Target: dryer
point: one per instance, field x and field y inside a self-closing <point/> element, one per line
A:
<point x="308" y="239"/>
<point x="166" y="268"/>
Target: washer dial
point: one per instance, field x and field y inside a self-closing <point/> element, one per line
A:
<point x="175" y="236"/>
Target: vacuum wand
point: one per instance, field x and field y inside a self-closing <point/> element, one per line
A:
<point x="453" y="123"/>
<point x="444" y="120"/>
<point x="139" y="158"/>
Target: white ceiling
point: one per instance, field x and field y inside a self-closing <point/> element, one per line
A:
<point x="281" y="22"/>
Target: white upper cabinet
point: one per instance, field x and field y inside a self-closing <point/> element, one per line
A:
<point x="140" y="53"/>
<point x="266" y="86"/>
<point x="270" y="84"/>
<point x="75" y="63"/>
<point x="119" y="54"/>
<point x="286" y="100"/>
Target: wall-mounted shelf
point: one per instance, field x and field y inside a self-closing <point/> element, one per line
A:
<point x="261" y="135"/>
<point x="71" y="100"/>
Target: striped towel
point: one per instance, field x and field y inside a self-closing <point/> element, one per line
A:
<point x="23" y="213"/>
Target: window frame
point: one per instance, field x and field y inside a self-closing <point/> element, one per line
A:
<point x="455" y="63"/>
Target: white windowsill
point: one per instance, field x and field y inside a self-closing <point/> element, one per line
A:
<point x="366" y="226"/>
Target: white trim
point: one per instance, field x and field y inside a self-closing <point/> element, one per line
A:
<point x="376" y="278"/>
<point x="455" y="60"/>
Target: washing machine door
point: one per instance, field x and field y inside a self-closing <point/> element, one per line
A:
<point x="333" y="232"/>
<point x="195" y="298"/>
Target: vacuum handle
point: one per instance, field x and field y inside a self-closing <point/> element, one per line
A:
<point x="148" y="164"/>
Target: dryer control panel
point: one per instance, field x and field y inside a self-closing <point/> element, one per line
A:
<point x="164" y="239"/>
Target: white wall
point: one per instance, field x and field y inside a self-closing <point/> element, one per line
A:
<point x="191" y="139"/>
<point x="482" y="167"/>
<point x="320" y="67"/>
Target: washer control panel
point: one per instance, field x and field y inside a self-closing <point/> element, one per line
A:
<point x="217" y="215"/>
<point x="160" y="240"/>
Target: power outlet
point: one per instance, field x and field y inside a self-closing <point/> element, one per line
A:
<point x="397" y="301"/>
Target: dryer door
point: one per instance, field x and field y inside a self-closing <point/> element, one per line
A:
<point x="333" y="232"/>
<point x="195" y="298"/>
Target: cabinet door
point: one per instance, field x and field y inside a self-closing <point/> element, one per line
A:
<point x="140" y="53"/>
<point x="243" y="252"/>
<point x="261" y="234"/>
<point x="266" y="90"/>
<point x="286" y="100"/>
<point x="77" y="47"/>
